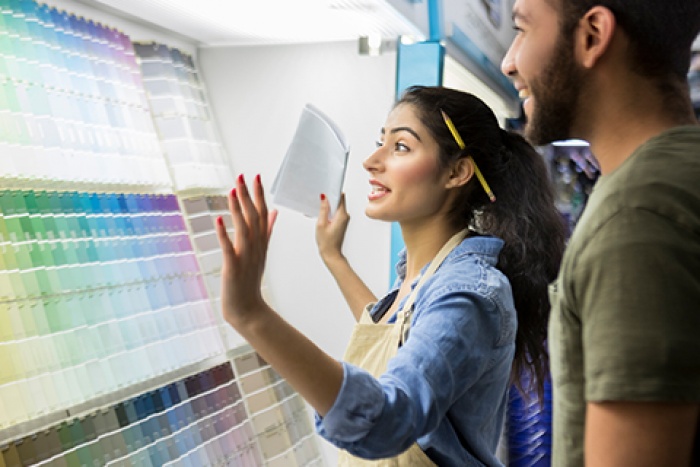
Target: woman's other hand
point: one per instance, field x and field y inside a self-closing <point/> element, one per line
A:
<point x="330" y="233"/>
<point x="244" y="252"/>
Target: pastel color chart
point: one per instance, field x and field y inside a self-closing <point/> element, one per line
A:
<point x="112" y="348"/>
<point x="72" y="103"/>
<point x="201" y="213"/>
<point x="280" y="419"/>
<point x="242" y="414"/>
<point x="198" y="420"/>
<point x="99" y="291"/>
<point x="183" y="119"/>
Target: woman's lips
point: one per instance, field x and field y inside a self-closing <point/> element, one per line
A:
<point x="378" y="191"/>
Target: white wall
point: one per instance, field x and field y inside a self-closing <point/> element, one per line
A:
<point x="458" y="77"/>
<point x="257" y="94"/>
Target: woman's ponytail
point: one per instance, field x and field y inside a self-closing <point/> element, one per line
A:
<point x="523" y="215"/>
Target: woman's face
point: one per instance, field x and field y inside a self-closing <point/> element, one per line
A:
<point x="407" y="182"/>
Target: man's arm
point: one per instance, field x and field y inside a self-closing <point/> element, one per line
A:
<point x="640" y="434"/>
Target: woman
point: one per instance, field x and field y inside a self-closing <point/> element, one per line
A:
<point x="426" y="374"/>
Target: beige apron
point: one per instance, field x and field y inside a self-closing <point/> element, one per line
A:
<point x="371" y="347"/>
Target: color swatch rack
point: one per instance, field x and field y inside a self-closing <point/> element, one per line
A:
<point x="112" y="348"/>
<point x="72" y="104"/>
<point x="198" y="420"/>
<point x="181" y="113"/>
<point x="201" y="213"/>
<point x="99" y="291"/>
<point x="280" y="420"/>
<point x="213" y="417"/>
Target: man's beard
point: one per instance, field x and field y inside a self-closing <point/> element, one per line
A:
<point x="556" y="95"/>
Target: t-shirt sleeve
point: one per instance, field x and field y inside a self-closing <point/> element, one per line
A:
<point x="639" y="299"/>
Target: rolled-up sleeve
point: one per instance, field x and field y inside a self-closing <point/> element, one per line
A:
<point x="444" y="354"/>
<point x="356" y="409"/>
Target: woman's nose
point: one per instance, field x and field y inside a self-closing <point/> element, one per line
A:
<point x="372" y="162"/>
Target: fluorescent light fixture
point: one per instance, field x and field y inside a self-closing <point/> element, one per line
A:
<point x="370" y="45"/>
<point x="239" y="22"/>
<point x="571" y="142"/>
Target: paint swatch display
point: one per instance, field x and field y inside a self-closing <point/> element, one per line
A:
<point x="72" y="103"/>
<point x="98" y="291"/>
<point x="183" y="119"/>
<point x="199" y="420"/>
<point x="215" y="417"/>
<point x="201" y="213"/>
<point x="280" y="419"/>
<point x="112" y="348"/>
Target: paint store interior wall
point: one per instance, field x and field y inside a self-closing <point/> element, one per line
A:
<point x="255" y="95"/>
<point x="258" y="93"/>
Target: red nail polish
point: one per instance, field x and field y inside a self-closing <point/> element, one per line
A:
<point x="240" y="178"/>
<point x="220" y="221"/>
<point x="233" y="193"/>
<point x="323" y="197"/>
<point x="257" y="178"/>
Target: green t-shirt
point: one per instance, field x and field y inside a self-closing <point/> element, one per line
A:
<point x="625" y="323"/>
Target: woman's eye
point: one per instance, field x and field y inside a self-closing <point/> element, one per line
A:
<point x="379" y="144"/>
<point x="401" y="147"/>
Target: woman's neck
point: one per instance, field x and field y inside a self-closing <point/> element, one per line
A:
<point x="422" y="244"/>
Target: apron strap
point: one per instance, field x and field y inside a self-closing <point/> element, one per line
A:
<point x="404" y="316"/>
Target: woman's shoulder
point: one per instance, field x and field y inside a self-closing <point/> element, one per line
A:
<point x="475" y="250"/>
<point x="470" y="268"/>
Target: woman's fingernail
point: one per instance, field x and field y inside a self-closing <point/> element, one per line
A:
<point x="233" y="193"/>
<point x="220" y="221"/>
<point x="240" y="178"/>
<point x="257" y="178"/>
<point x="323" y="197"/>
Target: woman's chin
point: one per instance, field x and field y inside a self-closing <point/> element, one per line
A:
<point x="373" y="214"/>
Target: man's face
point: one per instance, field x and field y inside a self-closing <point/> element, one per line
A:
<point x="540" y="62"/>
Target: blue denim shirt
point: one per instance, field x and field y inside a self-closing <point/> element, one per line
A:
<point x="446" y="387"/>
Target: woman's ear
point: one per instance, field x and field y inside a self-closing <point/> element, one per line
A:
<point x="462" y="171"/>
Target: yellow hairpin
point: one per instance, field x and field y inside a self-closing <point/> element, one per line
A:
<point x="461" y="145"/>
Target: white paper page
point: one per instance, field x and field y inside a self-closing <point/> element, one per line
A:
<point x="315" y="163"/>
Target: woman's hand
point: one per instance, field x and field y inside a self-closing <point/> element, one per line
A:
<point x="330" y="233"/>
<point x="244" y="257"/>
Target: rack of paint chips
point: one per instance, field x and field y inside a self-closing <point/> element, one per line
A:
<point x="201" y="213"/>
<point x="112" y="348"/>
<point x="201" y="419"/>
<point x="182" y="117"/>
<point x="99" y="291"/>
<point x="72" y="104"/>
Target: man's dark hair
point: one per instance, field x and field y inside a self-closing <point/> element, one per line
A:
<point x="661" y="32"/>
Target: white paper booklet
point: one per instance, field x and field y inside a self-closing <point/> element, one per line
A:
<point x="315" y="163"/>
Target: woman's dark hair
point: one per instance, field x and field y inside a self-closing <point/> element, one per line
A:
<point x="523" y="216"/>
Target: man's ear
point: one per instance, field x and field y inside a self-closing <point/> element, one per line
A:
<point x="462" y="171"/>
<point x="594" y="35"/>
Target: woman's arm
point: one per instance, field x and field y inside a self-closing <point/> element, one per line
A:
<point x="312" y="373"/>
<point x="330" y="235"/>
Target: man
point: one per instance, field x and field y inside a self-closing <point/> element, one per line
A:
<point x="624" y="332"/>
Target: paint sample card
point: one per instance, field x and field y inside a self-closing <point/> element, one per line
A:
<point x="315" y="164"/>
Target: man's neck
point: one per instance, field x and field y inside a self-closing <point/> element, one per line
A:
<point x="620" y="125"/>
